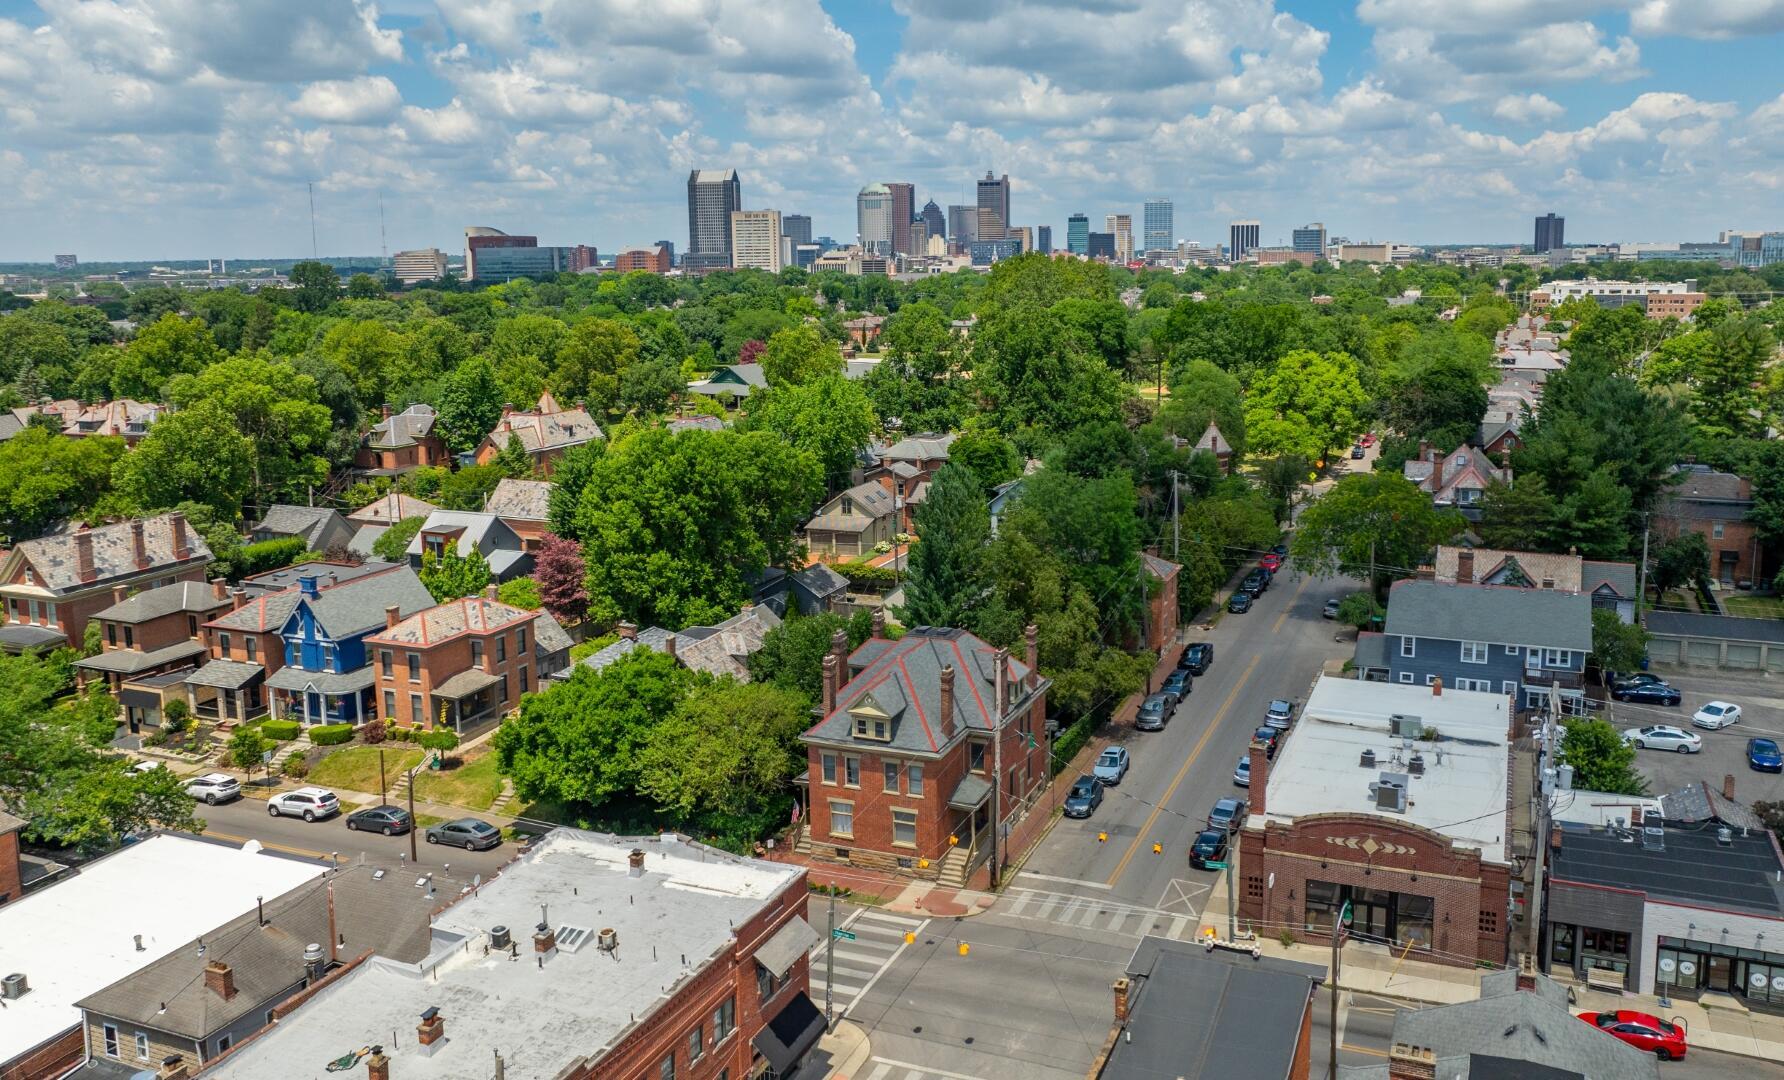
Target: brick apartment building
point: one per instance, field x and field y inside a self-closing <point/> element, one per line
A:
<point x="460" y="665"/>
<point x="54" y="585"/>
<point x="655" y="260"/>
<point x="1161" y="607"/>
<point x="150" y="641"/>
<point x="1360" y="806"/>
<point x="924" y="743"/>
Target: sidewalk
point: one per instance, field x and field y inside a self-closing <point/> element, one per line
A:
<point x="842" y="1053"/>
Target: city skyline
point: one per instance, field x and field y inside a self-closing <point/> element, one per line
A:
<point x="166" y="129"/>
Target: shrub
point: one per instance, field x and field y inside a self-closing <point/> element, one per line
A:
<point x="443" y="739"/>
<point x="282" y="730"/>
<point x="1070" y="741"/>
<point x="1287" y="937"/>
<point x="331" y="734"/>
<point x="296" y="767"/>
<point x="399" y="733"/>
<point x="373" y="732"/>
<point x="176" y="716"/>
<point x="865" y="576"/>
<point x="269" y="555"/>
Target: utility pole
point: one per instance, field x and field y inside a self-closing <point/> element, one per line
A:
<point x="381" y="800"/>
<point x="1544" y="754"/>
<point x="1232" y="905"/>
<point x="1176" y="507"/>
<point x="1337" y="940"/>
<point x="830" y="965"/>
<point x="412" y="826"/>
<point x="311" y="188"/>
<point x="1641" y="589"/>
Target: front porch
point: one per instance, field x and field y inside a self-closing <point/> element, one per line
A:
<point x="467" y="701"/>
<point x="227" y="691"/>
<point x="322" y="697"/>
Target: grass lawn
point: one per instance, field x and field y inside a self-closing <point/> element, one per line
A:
<point x="1755" y="607"/>
<point x="474" y="784"/>
<point x="356" y="767"/>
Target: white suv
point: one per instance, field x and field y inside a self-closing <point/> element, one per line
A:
<point x="308" y="803"/>
<point x="213" y="788"/>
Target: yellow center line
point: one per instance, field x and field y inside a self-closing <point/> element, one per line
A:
<point x="287" y="848"/>
<point x="1158" y="808"/>
<point x="1282" y="618"/>
<point x="1363" y="1050"/>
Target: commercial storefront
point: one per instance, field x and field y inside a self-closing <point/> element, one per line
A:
<point x="1688" y="969"/>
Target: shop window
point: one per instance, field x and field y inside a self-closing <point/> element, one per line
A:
<point x="1321" y="905"/>
<point x="1413" y="917"/>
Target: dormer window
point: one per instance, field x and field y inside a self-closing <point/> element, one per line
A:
<point x="871" y="720"/>
<point x="848" y="505"/>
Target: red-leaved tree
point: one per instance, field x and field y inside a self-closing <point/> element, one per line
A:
<point x="559" y="571"/>
<point x="751" y="352"/>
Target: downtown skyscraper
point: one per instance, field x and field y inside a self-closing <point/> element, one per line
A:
<point x="994" y="207"/>
<point x="904" y="207"/>
<point x="1242" y="237"/>
<point x="1077" y="234"/>
<point x="1158" y="229"/>
<point x="873" y="219"/>
<point x="713" y="196"/>
<point x="1121" y="226"/>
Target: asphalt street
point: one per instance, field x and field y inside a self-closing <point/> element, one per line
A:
<point x="247" y="819"/>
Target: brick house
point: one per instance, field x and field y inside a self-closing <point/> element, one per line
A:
<point x="12" y="883"/>
<point x="523" y="505"/>
<point x="924" y="744"/>
<point x="545" y="432"/>
<point x="402" y="442"/>
<point x="1458" y="479"/>
<point x="461" y="664"/>
<point x="53" y="585"/>
<point x="1715" y="505"/>
<point x="1360" y="806"/>
<point x="155" y="633"/>
<point x="123" y="418"/>
<point x="864" y="332"/>
<point x="1213" y="442"/>
<point x="1161" y="606"/>
<point x="465" y="531"/>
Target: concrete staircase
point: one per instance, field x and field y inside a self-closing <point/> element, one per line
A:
<point x="505" y="799"/>
<point x="399" y="788"/>
<point x="952" y="872"/>
<point x="299" y="745"/>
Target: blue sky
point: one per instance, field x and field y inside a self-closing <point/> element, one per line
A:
<point x="186" y="128"/>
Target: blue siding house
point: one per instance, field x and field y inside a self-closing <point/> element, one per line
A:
<point x="1502" y="639"/>
<point x="327" y="677"/>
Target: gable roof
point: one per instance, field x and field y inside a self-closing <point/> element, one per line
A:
<point x="120" y="417"/>
<point x="1618" y="577"/>
<point x="1700" y="482"/>
<point x="654" y="638"/>
<point x="343" y="610"/>
<point x="1491" y="613"/>
<point x="523" y="500"/>
<point x="927" y="447"/>
<point x="868" y="503"/>
<point x="903" y="680"/>
<point x="315" y="524"/>
<point x="1212" y="440"/>
<point x="549" y="635"/>
<point x="1442" y="475"/>
<point x="473" y="528"/>
<point x="726" y="648"/>
<point x="56" y="561"/>
<point x="402" y="429"/>
<point x="197" y="597"/>
<point x="392" y="508"/>
<point x="545" y="429"/>
<point x="1563" y="570"/>
<point x="446" y="621"/>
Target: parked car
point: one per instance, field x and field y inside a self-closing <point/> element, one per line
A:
<point x="1154" y="714"/>
<point x="1271" y="561"/>
<point x="1368" y="438"/>
<point x="1270" y="737"/>
<point x="1239" y="603"/>
<point x="1717" y="715"/>
<point x="1086" y="795"/>
<point x="1209" y="847"/>
<point x="1356" y="453"/>
<point x="1644" y="1031"/>
<point x="1648" y="693"/>
<point x="472" y="834"/>
<point x="389" y="820"/>
<point x="1279" y="550"/>
<point x="1197" y="658"/>
<point x="1664" y="737"/>
<point x="1280" y="714"/>
<point x="1179" y="683"/>
<point x="1620" y="679"/>
<point x="1763" y="755"/>
<point x="1242" y="774"/>
<point x="1330" y="611"/>
<point x="213" y="788"/>
<point x="1257" y="582"/>
<point x="1228" y="814"/>
<point x="309" y="803"/>
<point x="1111" y="765"/>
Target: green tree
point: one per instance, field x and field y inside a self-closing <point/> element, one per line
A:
<point x="449" y="575"/>
<point x="1370" y="519"/>
<point x="1308" y="403"/>
<point x="1676" y="361"/>
<point x="1202" y="393"/>
<point x="828" y="417"/>
<point x="513" y="460"/>
<point x="729" y="748"/>
<point x="167" y="347"/>
<point x="1360" y="610"/>
<point x="1617" y="645"/>
<point x="1682" y="560"/>
<point x="364" y="287"/>
<point x="247" y="747"/>
<point x="1440" y="401"/>
<point x="1032" y="373"/>
<point x="568" y="477"/>
<point x="520" y="592"/>
<point x="1601" y="759"/>
<point x="991" y="457"/>
<point x="1282" y="478"/>
<point x="45" y="477"/>
<point x="317" y="287"/>
<point x="1520" y="517"/>
<point x="1594" y="518"/>
<point x="469" y="404"/>
<point x="392" y="545"/>
<point x="467" y="488"/>
<point x="1726" y="403"/>
<point x="918" y="383"/>
<point x="591" y="361"/>
<point x="792" y="654"/>
<point x="1593" y="418"/>
<point x="799" y="355"/>
<point x="195" y="455"/>
<point x="278" y="409"/>
<point x="953" y="526"/>
<point x="580" y="742"/>
<point x="1090" y="526"/>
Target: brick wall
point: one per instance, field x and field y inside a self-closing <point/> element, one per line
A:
<point x="47" y="1060"/>
<point x="443" y="661"/>
<point x="74" y="610"/>
<point x="1302" y="1063"/>
<point x="11" y="885"/>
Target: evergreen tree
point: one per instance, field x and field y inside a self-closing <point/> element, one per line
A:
<point x="953" y="526"/>
<point x="513" y="459"/>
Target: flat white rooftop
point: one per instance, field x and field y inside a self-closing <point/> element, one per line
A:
<point x="671" y="921"/>
<point x="1462" y="792"/>
<point x="77" y="937"/>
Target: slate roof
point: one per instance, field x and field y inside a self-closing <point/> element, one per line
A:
<point x="725" y="649"/>
<point x="695" y="423"/>
<point x="821" y="582"/>
<point x="654" y="638"/>
<point x="1162" y="569"/>
<point x="1692" y="868"/>
<point x="402" y="429"/>
<point x="197" y="597"/>
<point x="130" y="661"/>
<point x="318" y="525"/>
<point x="120" y="417"/>
<point x="391" y="508"/>
<point x="1698" y="803"/>
<point x="546" y="428"/>
<point x="357" y="606"/>
<point x="524" y="500"/>
<point x="549" y="635"/>
<point x="325" y="573"/>
<point x="10" y="425"/>
<point x="1563" y="570"/>
<point x="1696" y="624"/>
<point x="446" y="621"/>
<point x="1441" y="475"/>
<point x="868" y="503"/>
<point x="114" y="551"/>
<point x="1491" y="613"/>
<point x="1702" y="482"/>
<point x="1620" y="576"/>
<point x="389" y="917"/>
<point x="902" y="678"/>
<point x="1213" y="441"/>
<point x="927" y="447"/>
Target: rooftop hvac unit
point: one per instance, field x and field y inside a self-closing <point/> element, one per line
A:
<point x="1724" y="836"/>
<point x="500" y="938"/>
<point x="1390" y="792"/>
<point x="1406" y="727"/>
<point x="14" y="986"/>
<point x="1368" y="759"/>
<point x="1654" y="838"/>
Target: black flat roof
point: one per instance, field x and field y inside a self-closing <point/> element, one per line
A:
<point x="1693" y="867"/>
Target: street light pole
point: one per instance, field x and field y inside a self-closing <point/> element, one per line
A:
<point x="382" y="801"/>
<point x="412" y="823"/>
<point x="830" y="966"/>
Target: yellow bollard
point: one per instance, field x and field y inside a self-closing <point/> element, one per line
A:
<point x="1158" y="849"/>
<point x="953" y="840"/>
<point x="910" y="938"/>
<point x="1101" y="837"/>
<point x="922" y="864"/>
<point x="963" y="948"/>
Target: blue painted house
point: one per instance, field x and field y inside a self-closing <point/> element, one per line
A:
<point x="327" y="677"/>
<point x="1497" y="638"/>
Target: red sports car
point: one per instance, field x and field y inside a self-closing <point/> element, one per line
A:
<point x="1271" y="561"/>
<point x="1647" y="1033"/>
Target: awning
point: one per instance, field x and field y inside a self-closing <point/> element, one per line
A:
<point x="129" y="661"/>
<point x="780" y="952"/>
<point x="297" y="680"/>
<point x="225" y="674"/>
<point x="465" y="683"/>
<point x="791" y="1034"/>
<point x="970" y="794"/>
<point x="20" y="636"/>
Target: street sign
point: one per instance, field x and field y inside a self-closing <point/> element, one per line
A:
<point x="843" y="935"/>
<point x="1214" y="865"/>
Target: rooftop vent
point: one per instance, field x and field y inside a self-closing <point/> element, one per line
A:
<point x="1389" y="792"/>
<point x="1654" y="838"/>
<point x="14" y="986"/>
<point x="1368" y="759"/>
<point x="1724" y="836"/>
<point x="1416" y="766"/>
<point x="608" y="940"/>
<point x="572" y="938"/>
<point x="1402" y="726"/>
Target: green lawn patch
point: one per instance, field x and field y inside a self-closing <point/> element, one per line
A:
<point x="1755" y="607"/>
<point x="474" y="784"/>
<point x="356" y="768"/>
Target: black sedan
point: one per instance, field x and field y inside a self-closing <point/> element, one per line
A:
<point x="1653" y="693"/>
<point x="1086" y="795"/>
<point x="389" y="820"/>
<point x="1240" y="603"/>
<point x="1210" y="848"/>
<point x="1270" y="737"/>
<point x="1197" y="658"/>
<point x="469" y="833"/>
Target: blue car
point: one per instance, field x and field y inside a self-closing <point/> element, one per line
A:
<point x="1240" y="603"/>
<point x="1763" y="755"/>
<point x="1648" y="693"/>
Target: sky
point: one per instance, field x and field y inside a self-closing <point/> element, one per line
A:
<point x="168" y="129"/>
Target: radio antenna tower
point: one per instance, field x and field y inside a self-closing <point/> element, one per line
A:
<point x="311" y="188"/>
<point x="383" y="245"/>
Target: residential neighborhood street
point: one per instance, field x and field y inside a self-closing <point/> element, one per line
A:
<point x="247" y="819"/>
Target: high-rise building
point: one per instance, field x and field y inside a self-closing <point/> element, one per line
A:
<point x="482" y="238"/>
<point x="424" y="264"/>
<point x="67" y="262"/>
<point x="713" y="196"/>
<point x="796" y="227"/>
<point x="756" y="240"/>
<point x="873" y="219"/>
<point x="1100" y="245"/>
<point x="937" y="221"/>
<point x="1077" y="234"/>
<point x="1242" y="236"/>
<point x="1122" y="227"/>
<point x="963" y="224"/>
<point x="1023" y="236"/>
<point x="1043" y="239"/>
<point x="1310" y="238"/>
<point x="1549" y="232"/>
<point x="902" y="210"/>
<point x="994" y="206"/>
<point x="1158" y="225"/>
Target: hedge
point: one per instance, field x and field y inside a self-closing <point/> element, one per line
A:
<point x="1070" y="741"/>
<point x="269" y="555"/>
<point x="863" y="575"/>
<point x="443" y="739"/>
<point x="282" y="730"/>
<point x="331" y="734"/>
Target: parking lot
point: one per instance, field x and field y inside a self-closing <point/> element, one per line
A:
<point x="1724" y="751"/>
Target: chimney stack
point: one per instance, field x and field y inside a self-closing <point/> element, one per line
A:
<point x="432" y="1027"/>
<point x="384" y="410"/>
<point x="1526" y="972"/>
<point x="947" y="684"/>
<point x="879" y="622"/>
<point x="173" y="1067"/>
<point x="119" y="594"/>
<point x="83" y="555"/>
<point x="492" y="591"/>
<point x="393" y="614"/>
<point x="1437" y="687"/>
<point x="1001" y="683"/>
<point x="626" y="631"/>
<point x="829" y="695"/>
<point x="220" y="978"/>
<point x="219" y="589"/>
<point x="669" y="646"/>
<point x="377" y="1067"/>
<point x="1260" y="775"/>
<point x="1121" y="987"/>
<point x="1407" y="1062"/>
<point x="182" y="539"/>
<point x="138" y="547"/>
<point x="238" y="597"/>
<point x="544" y="939"/>
<point x="1465" y="566"/>
<point x="1031" y="640"/>
<point x="635" y="863"/>
<point x="839" y="648"/>
<point x="1728" y="786"/>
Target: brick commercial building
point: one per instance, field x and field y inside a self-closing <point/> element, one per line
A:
<point x="589" y="957"/>
<point x="924" y="744"/>
<point x="12" y="878"/>
<point x="655" y="260"/>
<point x="1363" y="805"/>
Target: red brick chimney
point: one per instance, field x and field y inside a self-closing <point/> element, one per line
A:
<point x="829" y="694"/>
<point x="839" y="648"/>
<point x="1001" y="683"/>
<point x="1465" y="566"/>
<point x="432" y="1027"/>
<point x="83" y="555"/>
<point x="626" y="631"/>
<point x="879" y="622"/>
<point x="947" y="705"/>
<point x="392" y="615"/>
<point x="1728" y="786"/>
<point x="120" y="594"/>
<point x="1526" y="972"/>
<point x="669" y="646"/>
<point x="1260" y="775"/>
<point x="384" y="410"/>
<point x="182" y="537"/>
<point x="1407" y="1062"/>
<point x="1120" y="988"/>
<point x="220" y="977"/>
<point x="137" y="546"/>
<point x="219" y="589"/>
<point x="173" y="1067"/>
<point x="1031" y="640"/>
<point x="377" y="1067"/>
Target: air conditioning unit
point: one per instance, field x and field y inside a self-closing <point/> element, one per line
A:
<point x="1390" y="792"/>
<point x="1402" y="726"/>
<point x="14" y="986"/>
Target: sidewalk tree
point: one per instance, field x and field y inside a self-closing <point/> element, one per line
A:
<point x="943" y="581"/>
<point x="1378" y="520"/>
<point x="1683" y="560"/>
<point x="247" y="748"/>
<point x="1282" y="477"/>
<point x="1601" y="759"/>
<point x="1360" y="610"/>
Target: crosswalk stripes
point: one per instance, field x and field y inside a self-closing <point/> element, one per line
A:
<point x="1095" y="913"/>
<point x="880" y="1068"/>
<point x="857" y="964"/>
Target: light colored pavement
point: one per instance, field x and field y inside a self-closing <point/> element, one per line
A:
<point x="1724" y="751"/>
<point x="842" y="970"/>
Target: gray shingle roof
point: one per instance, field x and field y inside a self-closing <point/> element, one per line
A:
<point x="1371" y="653"/>
<point x="1491" y="613"/>
<point x="480" y="531"/>
<point x="928" y="447"/>
<point x="225" y="674"/>
<point x="866" y="503"/>
<point x="357" y="606"/>
<point x="527" y="500"/>
<point x="725" y="649"/>
<point x="130" y="661"/>
<point x="197" y="597"/>
<point x="402" y="429"/>
<point x="55" y="558"/>
<point x="391" y="508"/>
<point x="539" y="432"/>
<point x="297" y="680"/>
<point x="549" y="635"/>
<point x="319" y="526"/>
<point x="654" y="638"/>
